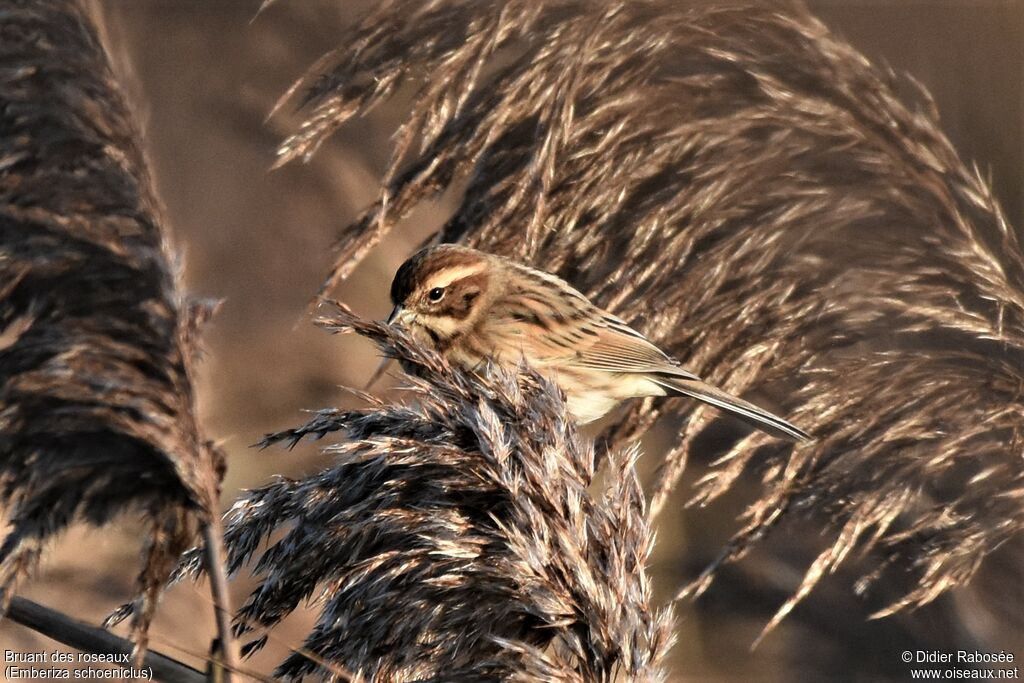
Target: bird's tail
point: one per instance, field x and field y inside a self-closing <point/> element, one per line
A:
<point x="744" y="410"/>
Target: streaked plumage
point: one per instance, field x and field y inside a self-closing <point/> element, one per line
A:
<point x="471" y="306"/>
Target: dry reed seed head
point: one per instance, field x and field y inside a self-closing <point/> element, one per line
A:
<point x="96" y="412"/>
<point x="455" y="538"/>
<point x="750" y="193"/>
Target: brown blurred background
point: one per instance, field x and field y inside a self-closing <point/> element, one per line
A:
<point x="205" y="78"/>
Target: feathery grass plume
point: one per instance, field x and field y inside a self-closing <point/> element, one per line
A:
<point x="455" y="538"/>
<point x="752" y="194"/>
<point x="96" y="403"/>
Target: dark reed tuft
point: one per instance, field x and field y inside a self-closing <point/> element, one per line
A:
<point x="754" y="195"/>
<point x="456" y="537"/>
<point x="96" y="404"/>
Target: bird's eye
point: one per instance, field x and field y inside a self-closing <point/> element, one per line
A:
<point x="436" y="294"/>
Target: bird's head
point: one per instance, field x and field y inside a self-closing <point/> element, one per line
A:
<point x="438" y="293"/>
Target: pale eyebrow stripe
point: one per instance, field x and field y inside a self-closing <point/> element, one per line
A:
<point x="446" y="276"/>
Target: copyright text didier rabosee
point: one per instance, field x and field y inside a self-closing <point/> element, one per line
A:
<point x="939" y="665"/>
<point x="44" y="664"/>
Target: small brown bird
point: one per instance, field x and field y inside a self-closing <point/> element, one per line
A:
<point x="471" y="306"/>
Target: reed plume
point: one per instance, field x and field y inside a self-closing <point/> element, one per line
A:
<point x="96" y="404"/>
<point x="764" y="204"/>
<point x="456" y="537"/>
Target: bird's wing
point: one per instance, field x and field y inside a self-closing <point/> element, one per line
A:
<point x="556" y="325"/>
<point x="617" y="347"/>
<point x="593" y="341"/>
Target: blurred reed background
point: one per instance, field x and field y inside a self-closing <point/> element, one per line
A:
<point x="206" y="78"/>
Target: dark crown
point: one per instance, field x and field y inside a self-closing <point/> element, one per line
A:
<point x="429" y="260"/>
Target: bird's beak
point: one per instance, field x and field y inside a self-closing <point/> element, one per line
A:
<point x="401" y="316"/>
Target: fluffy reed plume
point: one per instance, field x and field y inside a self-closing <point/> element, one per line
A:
<point x="751" y="193"/>
<point x="96" y="404"/>
<point x="455" y="538"/>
